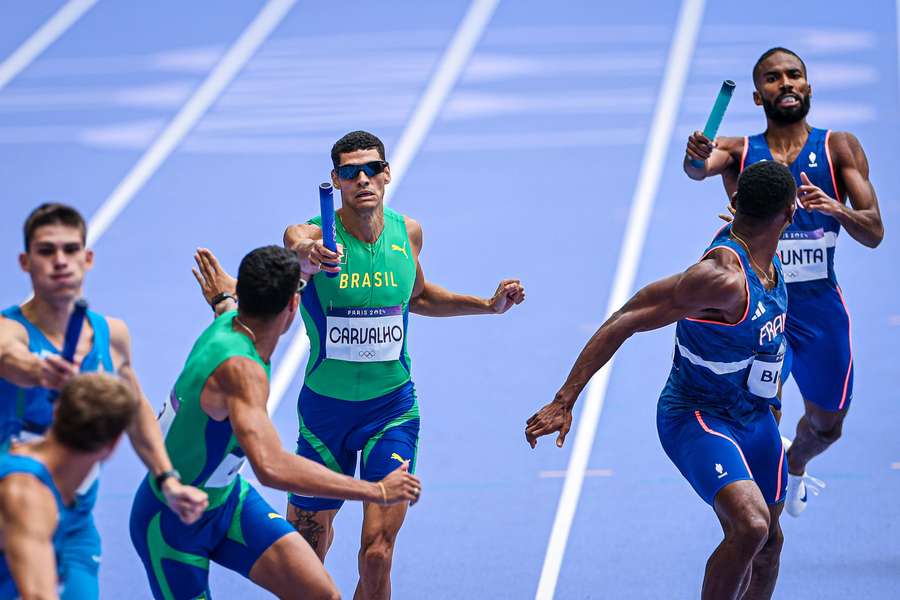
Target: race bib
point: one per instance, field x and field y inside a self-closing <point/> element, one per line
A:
<point x="167" y="414"/>
<point x="227" y="470"/>
<point x="804" y="255"/>
<point x="364" y="334"/>
<point x="765" y="373"/>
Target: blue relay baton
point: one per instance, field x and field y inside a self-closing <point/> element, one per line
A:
<point x="715" y="116"/>
<point x="326" y="207"/>
<point x="73" y="333"/>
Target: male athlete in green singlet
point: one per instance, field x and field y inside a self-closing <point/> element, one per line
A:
<point x="214" y="420"/>
<point x="357" y="395"/>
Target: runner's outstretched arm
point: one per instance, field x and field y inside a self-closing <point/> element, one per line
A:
<point x="241" y="385"/>
<point x="432" y="300"/>
<point x="29" y="518"/>
<point x="186" y="501"/>
<point x="712" y="287"/>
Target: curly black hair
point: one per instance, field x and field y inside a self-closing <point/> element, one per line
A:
<point x="770" y="52"/>
<point x="764" y="189"/>
<point x="355" y="140"/>
<point x="267" y="278"/>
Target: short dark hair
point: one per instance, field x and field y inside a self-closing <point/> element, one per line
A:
<point x="53" y="214"/>
<point x="764" y="189"/>
<point x="267" y="279"/>
<point x="770" y="52"/>
<point x="355" y="140"/>
<point x="92" y="411"/>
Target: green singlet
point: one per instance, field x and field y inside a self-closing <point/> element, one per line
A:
<point x="357" y="321"/>
<point x="203" y="450"/>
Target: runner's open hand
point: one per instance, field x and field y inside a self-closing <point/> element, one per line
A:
<point x="186" y="501"/>
<point x="813" y="198"/>
<point x="556" y="416"/>
<point x="401" y="485"/>
<point x="509" y="292"/>
<point x="211" y="276"/>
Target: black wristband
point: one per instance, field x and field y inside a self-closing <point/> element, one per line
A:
<point x="220" y="298"/>
<point x="161" y="478"/>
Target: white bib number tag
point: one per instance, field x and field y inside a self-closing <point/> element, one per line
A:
<point x="226" y="472"/>
<point x="167" y="413"/>
<point x="765" y="373"/>
<point x="804" y="255"/>
<point x="364" y="334"/>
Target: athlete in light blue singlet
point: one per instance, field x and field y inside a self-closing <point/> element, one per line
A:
<point x="713" y="416"/>
<point x="31" y="367"/>
<point x="829" y="168"/>
<point x="39" y="479"/>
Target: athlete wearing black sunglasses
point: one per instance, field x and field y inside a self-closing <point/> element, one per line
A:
<point x="358" y="380"/>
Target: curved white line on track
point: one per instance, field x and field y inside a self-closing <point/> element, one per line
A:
<point x="41" y="39"/>
<point x="655" y="151"/>
<point x="212" y="87"/>
<point x="445" y="77"/>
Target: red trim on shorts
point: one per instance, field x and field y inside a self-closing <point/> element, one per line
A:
<point x="778" y="481"/>
<point x="722" y="435"/>
<point x="746" y="284"/>
<point x="850" y="345"/>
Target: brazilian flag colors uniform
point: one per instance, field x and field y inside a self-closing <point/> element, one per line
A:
<point x="239" y="525"/>
<point x="358" y="396"/>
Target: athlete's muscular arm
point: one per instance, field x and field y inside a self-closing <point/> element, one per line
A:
<point x="22" y="367"/>
<point x="240" y="387"/>
<point x="712" y="288"/>
<point x="719" y="157"/>
<point x="186" y="501"/>
<point x="306" y="241"/>
<point x="432" y="300"/>
<point x="29" y="518"/>
<point x="862" y="219"/>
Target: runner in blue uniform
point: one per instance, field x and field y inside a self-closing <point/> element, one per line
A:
<point x="38" y="481"/>
<point x="713" y="416"/>
<point x="829" y="168"/>
<point x="31" y="336"/>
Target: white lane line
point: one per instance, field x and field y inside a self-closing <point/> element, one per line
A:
<point x="667" y="107"/>
<point x="196" y="106"/>
<point x="445" y="77"/>
<point x="41" y="39"/>
<point x="587" y="473"/>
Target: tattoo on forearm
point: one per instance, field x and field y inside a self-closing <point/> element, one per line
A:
<point x="304" y="521"/>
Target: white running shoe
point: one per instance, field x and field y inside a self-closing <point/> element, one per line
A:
<point x="798" y="489"/>
<point x="786" y="443"/>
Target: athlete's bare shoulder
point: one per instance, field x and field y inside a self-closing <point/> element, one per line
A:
<point x="734" y="146"/>
<point x="846" y="149"/>
<point x="12" y="331"/>
<point x="414" y="231"/>
<point x="22" y="500"/>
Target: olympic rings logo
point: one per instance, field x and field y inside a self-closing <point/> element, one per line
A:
<point x="370" y="354"/>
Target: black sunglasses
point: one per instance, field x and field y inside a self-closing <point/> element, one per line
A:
<point x="371" y="169"/>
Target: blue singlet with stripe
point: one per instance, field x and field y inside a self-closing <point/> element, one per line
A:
<point x="730" y="370"/>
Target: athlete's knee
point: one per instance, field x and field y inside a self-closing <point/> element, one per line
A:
<point x="827" y="428"/>
<point x="750" y="530"/>
<point x="376" y="552"/>
<point x="325" y="592"/>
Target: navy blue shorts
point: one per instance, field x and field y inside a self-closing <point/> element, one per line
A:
<point x="384" y="430"/>
<point x="176" y="556"/>
<point x="712" y="452"/>
<point x="820" y="356"/>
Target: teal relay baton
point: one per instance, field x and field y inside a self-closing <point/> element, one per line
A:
<point x="715" y="116"/>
